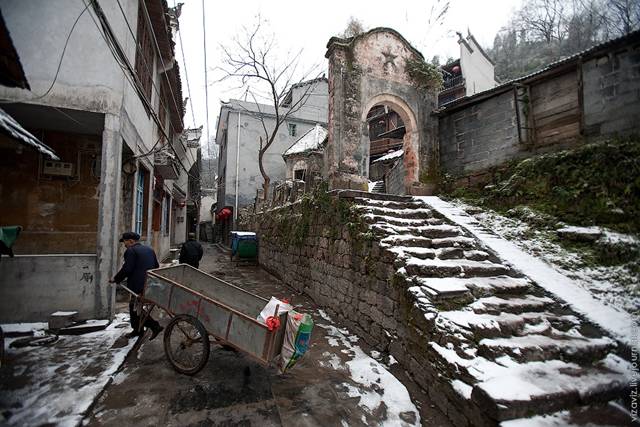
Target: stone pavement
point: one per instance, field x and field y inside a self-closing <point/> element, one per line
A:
<point x="335" y="384"/>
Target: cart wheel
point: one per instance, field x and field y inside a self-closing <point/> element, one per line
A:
<point x="186" y="344"/>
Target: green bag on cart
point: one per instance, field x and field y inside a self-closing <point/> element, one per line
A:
<point x="297" y="335"/>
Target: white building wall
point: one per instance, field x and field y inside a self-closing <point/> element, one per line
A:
<point x="89" y="79"/>
<point x="477" y="70"/>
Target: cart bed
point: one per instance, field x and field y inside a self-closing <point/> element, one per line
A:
<point x="227" y="312"/>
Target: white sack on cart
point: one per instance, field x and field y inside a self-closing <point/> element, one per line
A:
<point x="270" y="309"/>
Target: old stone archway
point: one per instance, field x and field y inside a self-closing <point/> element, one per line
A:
<point x="366" y="71"/>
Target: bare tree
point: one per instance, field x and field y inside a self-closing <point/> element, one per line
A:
<point x="252" y="59"/>
<point x="543" y="20"/>
<point x="625" y="15"/>
<point x="354" y="27"/>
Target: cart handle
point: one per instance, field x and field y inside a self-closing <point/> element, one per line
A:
<point x="128" y="290"/>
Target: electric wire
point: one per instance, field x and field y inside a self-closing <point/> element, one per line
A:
<point x="55" y="77"/>
<point x="116" y="50"/>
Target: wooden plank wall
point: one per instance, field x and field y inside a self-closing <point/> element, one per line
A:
<point x="556" y="110"/>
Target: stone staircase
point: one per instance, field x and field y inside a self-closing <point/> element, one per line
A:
<point x="379" y="187"/>
<point x="501" y="342"/>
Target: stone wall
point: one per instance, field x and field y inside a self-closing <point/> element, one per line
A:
<point x="53" y="283"/>
<point x="588" y="97"/>
<point x="394" y="179"/>
<point x="325" y="257"/>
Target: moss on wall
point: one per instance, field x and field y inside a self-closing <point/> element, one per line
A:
<point x="595" y="184"/>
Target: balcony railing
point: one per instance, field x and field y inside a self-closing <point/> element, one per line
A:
<point x="165" y="164"/>
<point x="453" y="82"/>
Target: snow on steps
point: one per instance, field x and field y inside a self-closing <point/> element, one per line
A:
<point x="503" y="342"/>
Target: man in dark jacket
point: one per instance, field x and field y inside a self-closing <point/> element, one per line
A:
<point x="191" y="252"/>
<point x="137" y="260"/>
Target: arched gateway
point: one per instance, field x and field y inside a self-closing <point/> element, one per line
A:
<point x="367" y="73"/>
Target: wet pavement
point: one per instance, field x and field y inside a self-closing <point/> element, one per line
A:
<point x="337" y="383"/>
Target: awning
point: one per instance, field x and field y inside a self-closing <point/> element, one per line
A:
<point x="12" y="129"/>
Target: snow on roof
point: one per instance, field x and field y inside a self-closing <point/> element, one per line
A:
<point x="390" y="156"/>
<point x="10" y="127"/>
<point x="312" y="140"/>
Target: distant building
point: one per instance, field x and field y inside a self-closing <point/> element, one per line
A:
<point x="111" y="109"/>
<point x="238" y="133"/>
<point x="304" y="158"/>
<point x="473" y="72"/>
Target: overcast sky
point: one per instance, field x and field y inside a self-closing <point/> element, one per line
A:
<point x="309" y="25"/>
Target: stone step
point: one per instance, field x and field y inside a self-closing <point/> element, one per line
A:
<point x="542" y="347"/>
<point x="441" y="288"/>
<point x="406" y="241"/>
<point x="454" y="242"/>
<point x="431" y="231"/>
<point x="412" y="251"/>
<point x="392" y="204"/>
<point x="483" y="325"/>
<point x="607" y="414"/>
<point x="484" y="286"/>
<point x="421" y="213"/>
<point x="535" y="388"/>
<point x="452" y="268"/>
<point x="392" y="220"/>
<point x="476" y="255"/>
<point x="496" y="305"/>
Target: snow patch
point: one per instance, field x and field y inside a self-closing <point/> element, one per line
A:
<point x="373" y="383"/>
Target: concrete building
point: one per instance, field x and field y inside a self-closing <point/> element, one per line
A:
<point x="106" y="97"/>
<point x="239" y="129"/>
<point x="473" y="72"/>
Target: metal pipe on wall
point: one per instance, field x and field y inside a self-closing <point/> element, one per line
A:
<point x="235" y="209"/>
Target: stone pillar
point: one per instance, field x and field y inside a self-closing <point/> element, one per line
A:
<point x="108" y="219"/>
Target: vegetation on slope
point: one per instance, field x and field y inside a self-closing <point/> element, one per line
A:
<point x="595" y="184"/>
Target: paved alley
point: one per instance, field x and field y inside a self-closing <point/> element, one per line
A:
<point x="338" y="382"/>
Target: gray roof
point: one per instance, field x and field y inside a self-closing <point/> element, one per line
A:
<point x="310" y="141"/>
<point x="11" y="128"/>
<point x="303" y="114"/>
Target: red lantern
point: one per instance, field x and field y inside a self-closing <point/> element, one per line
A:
<point x="455" y="69"/>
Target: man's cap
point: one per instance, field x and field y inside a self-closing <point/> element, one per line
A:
<point x="129" y="235"/>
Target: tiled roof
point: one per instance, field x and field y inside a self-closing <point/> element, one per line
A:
<point x="310" y="141"/>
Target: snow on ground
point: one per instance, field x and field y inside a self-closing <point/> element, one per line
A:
<point x="56" y="384"/>
<point x="23" y="328"/>
<point x="568" y="287"/>
<point x="372" y="382"/>
<point x="613" y="285"/>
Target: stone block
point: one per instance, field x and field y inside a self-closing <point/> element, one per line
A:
<point x="62" y="319"/>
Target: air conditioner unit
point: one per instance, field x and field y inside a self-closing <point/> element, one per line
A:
<point x="57" y="168"/>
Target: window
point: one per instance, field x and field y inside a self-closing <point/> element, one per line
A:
<point x="144" y="52"/>
<point x="166" y="203"/>
<point x="292" y="129"/>
<point x="142" y="201"/>
<point x="299" y="174"/>
<point x="139" y="202"/>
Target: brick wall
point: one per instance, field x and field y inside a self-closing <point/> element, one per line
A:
<point x="582" y="100"/>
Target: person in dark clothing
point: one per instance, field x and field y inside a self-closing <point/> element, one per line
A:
<point x="137" y="260"/>
<point x="191" y="252"/>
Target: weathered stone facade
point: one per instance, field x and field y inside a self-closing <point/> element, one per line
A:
<point x="365" y="71"/>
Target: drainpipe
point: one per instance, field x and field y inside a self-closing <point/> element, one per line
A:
<point x="235" y="210"/>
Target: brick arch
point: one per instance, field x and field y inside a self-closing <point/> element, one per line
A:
<point x="411" y="140"/>
<point x="369" y="70"/>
